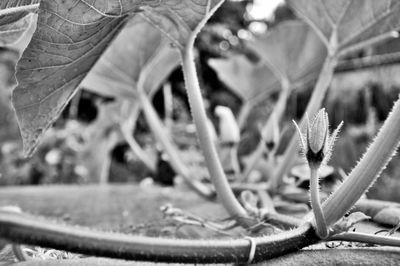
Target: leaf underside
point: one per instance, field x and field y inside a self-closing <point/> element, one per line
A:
<point x="70" y="37"/>
<point x="139" y="51"/>
<point x="353" y="22"/>
<point x="292" y="50"/>
<point x="248" y="80"/>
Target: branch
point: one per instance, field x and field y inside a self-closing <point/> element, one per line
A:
<point x="24" y="229"/>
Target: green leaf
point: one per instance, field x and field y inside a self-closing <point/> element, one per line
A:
<point x="292" y="50"/>
<point x="139" y="51"/>
<point x="70" y="37"/>
<point x="347" y="25"/>
<point x="252" y="82"/>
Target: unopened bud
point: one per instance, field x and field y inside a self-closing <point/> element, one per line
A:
<point x="317" y="143"/>
<point x="318" y="132"/>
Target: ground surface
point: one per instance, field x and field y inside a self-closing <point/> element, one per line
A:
<point x="123" y="207"/>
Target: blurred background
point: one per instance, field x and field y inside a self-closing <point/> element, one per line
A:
<point x="361" y="94"/>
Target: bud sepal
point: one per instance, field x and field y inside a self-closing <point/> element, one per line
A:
<point x="317" y="143"/>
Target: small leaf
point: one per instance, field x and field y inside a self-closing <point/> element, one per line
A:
<point x="249" y="81"/>
<point x="349" y="24"/>
<point x="292" y="50"/>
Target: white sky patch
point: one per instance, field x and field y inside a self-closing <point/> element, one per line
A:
<point x="263" y="9"/>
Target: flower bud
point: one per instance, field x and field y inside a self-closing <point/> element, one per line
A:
<point x="318" y="132"/>
<point x="317" y="143"/>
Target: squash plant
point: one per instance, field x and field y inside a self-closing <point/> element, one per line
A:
<point x="72" y="35"/>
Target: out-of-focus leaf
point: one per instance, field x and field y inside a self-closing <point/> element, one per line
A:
<point x="249" y="81"/>
<point x="302" y="172"/>
<point x="102" y="137"/>
<point x="387" y="216"/>
<point x="292" y="50"/>
<point x="23" y="42"/>
<point x="9" y="127"/>
<point x="70" y="37"/>
<point x="13" y="32"/>
<point x="14" y="26"/>
<point x="357" y="80"/>
<point x="15" y="16"/>
<point x="139" y="51"/>
<point x="353" y="24"/>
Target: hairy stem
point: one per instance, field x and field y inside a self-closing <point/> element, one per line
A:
<point x="321" y="227"/>
<point x="213" y="163"/>
<point x="19" y="253"/>
<point x="367" y="238"/>
<point x="367" y="170"/>
<point x="20" y="228"/>
<point x="159" y="130"/>
<point x="321" y="87"/>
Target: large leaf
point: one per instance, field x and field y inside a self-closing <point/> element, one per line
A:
<point x="139" y="51"/>
<point x="252" y="82"/>
<point x="292" y="50"/>
<point x="353" y="24"/>
<point x="70" y="37"/>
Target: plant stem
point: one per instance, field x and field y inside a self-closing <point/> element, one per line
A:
<point x="159" y="130"/>
<point x="168" y="105"/>
<point x="19" y="9"/>
<point x="314" y="104"/>
<point x="138" y="151"/>
<point x="321" y="227"/>
<point x="19" y="253"/>
<point x="20" y="228"/>
<point x="367" y="43"/>
<point x="244" y="113"/>
<point x="276" y="115"/>
<point x="127" y="128"/>
<point x="214" y="166"/>
<point x="367" y="170"/>
<point x="366" y="238"/>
